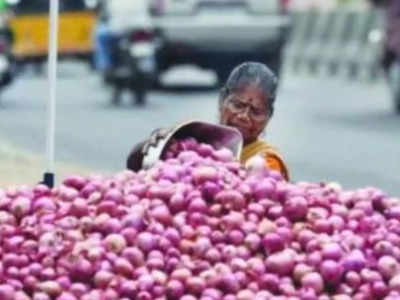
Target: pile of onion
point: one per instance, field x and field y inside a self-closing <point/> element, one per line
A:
<point x="198" y="226"/>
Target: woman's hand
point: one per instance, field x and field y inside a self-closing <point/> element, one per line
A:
<point x="256" y="164"/>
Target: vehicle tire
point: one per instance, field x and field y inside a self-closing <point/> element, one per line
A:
<point x="157" y="82"/>
<point x="91" y="64"/>
<point x="354" y="70"/>
<point x="333" y="68"/>
<point x="397" y="102"/>
<point x="38" y="68"/>
<point x="393" y="78"/>
<point x="140" y="97"/>
<point x="116" y="97"/>
<point x="397" y="108"/>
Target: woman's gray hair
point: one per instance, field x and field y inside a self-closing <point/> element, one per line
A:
<point x="254" y="73"/>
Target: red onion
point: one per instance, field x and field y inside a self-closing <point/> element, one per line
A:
<point x="7" y="292"/>
<point x="275" y="212"/>
<point x="272" y="242"/>
<point x="161" y="214"/>
<point x="223" y="155"/>
<point x="256" y="266"/>
<point x="21" y="206"/>
<point x="355" y="261"/>
<point x="353" y="279"/>
<point x="264" y="189"/>
<point x="146" y="241"/>
<point x="197" y="205"/>
<point x="313" y="281"/>
<point x="20" y="295"/>
<point x="245" y="295"/>
<point x="51" y="288"/>
<point x="253" y="241"/>
<point x="41" y="296"/>
<point x="331" y="272"/>
<point x="236" y="237"/>
<point x="281" y="263"/>
<point x="300" y="270"/>
<point x="195" y="285"/>
<point x="231" y="199"/>
<point x="296" y="208"/>
<point x="332" y="251"/>
<point x="79" y="289"/>
<point x="198" y="226"/>
<point x="379" y="289"/>
<point x="229" y="283"/>
<point x="388" y="266"/>
<point x="203" y="174"/>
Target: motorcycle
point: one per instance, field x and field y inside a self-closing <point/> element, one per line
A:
<point x="134" y="65"/>
<point x="7" y="63"/>
<point x="389" y="63"/>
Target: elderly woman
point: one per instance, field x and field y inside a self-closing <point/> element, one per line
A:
<point x="246" y="103"/>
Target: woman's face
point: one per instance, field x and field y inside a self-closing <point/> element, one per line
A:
<point x="247" y="111"/>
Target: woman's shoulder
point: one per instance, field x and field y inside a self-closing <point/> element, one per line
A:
<point x="260" y="146"/>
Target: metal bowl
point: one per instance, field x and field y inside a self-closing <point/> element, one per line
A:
<point x="218" y="136"/>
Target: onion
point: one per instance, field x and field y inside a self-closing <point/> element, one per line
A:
<point x="379" y="289"/>
<point x="272" y="242"/>
<point x="231" y="199"/>
<point x="161" y="214"/>
<point x="230" y="283"/>
<point x="197" y="205"/>
<point x="198" y="226"/>
<point x="123" y="266"/>
<point x="264" y="189"/>
<point x="21" y="206"/>
<point x="281" y="263"/>
<point x="203" y="174"/>
<point x="388" y="266"/>
<point x="253" y="241"/>
<point x="313" y="281"/>
<point x="332" y="251"/>
<point x="7" y="292"/>
<point x="300" y="270"/>
<point x="195" y="285"/>
<point x="20" y="295"/>
<point x="41" y="296"/>
<point x="223" y="155"/>
<point x="331" y="272"/>
<point x="355" y="261"/>
<point x="115" y="243"/>
<point x="296" y="208"/>
<point x="146" y="241"/>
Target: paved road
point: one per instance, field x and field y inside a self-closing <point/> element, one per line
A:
<point x="326" y="129"/>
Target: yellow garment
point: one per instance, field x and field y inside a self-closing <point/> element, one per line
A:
<point x="272" y="158"/>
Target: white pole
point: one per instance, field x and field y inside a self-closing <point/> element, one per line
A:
<point x="52" y="75"/>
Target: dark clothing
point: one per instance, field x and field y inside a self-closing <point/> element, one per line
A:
<point x="391" y="50"/>
<point x="392" y="8"/>
<point x="393" y="25"/>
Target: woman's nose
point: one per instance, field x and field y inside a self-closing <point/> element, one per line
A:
<point x="244" y="114"/>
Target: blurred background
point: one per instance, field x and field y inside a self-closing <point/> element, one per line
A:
<point x="128" y="67"/>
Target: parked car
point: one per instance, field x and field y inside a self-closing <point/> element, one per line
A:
<point x="218" y="34"/>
